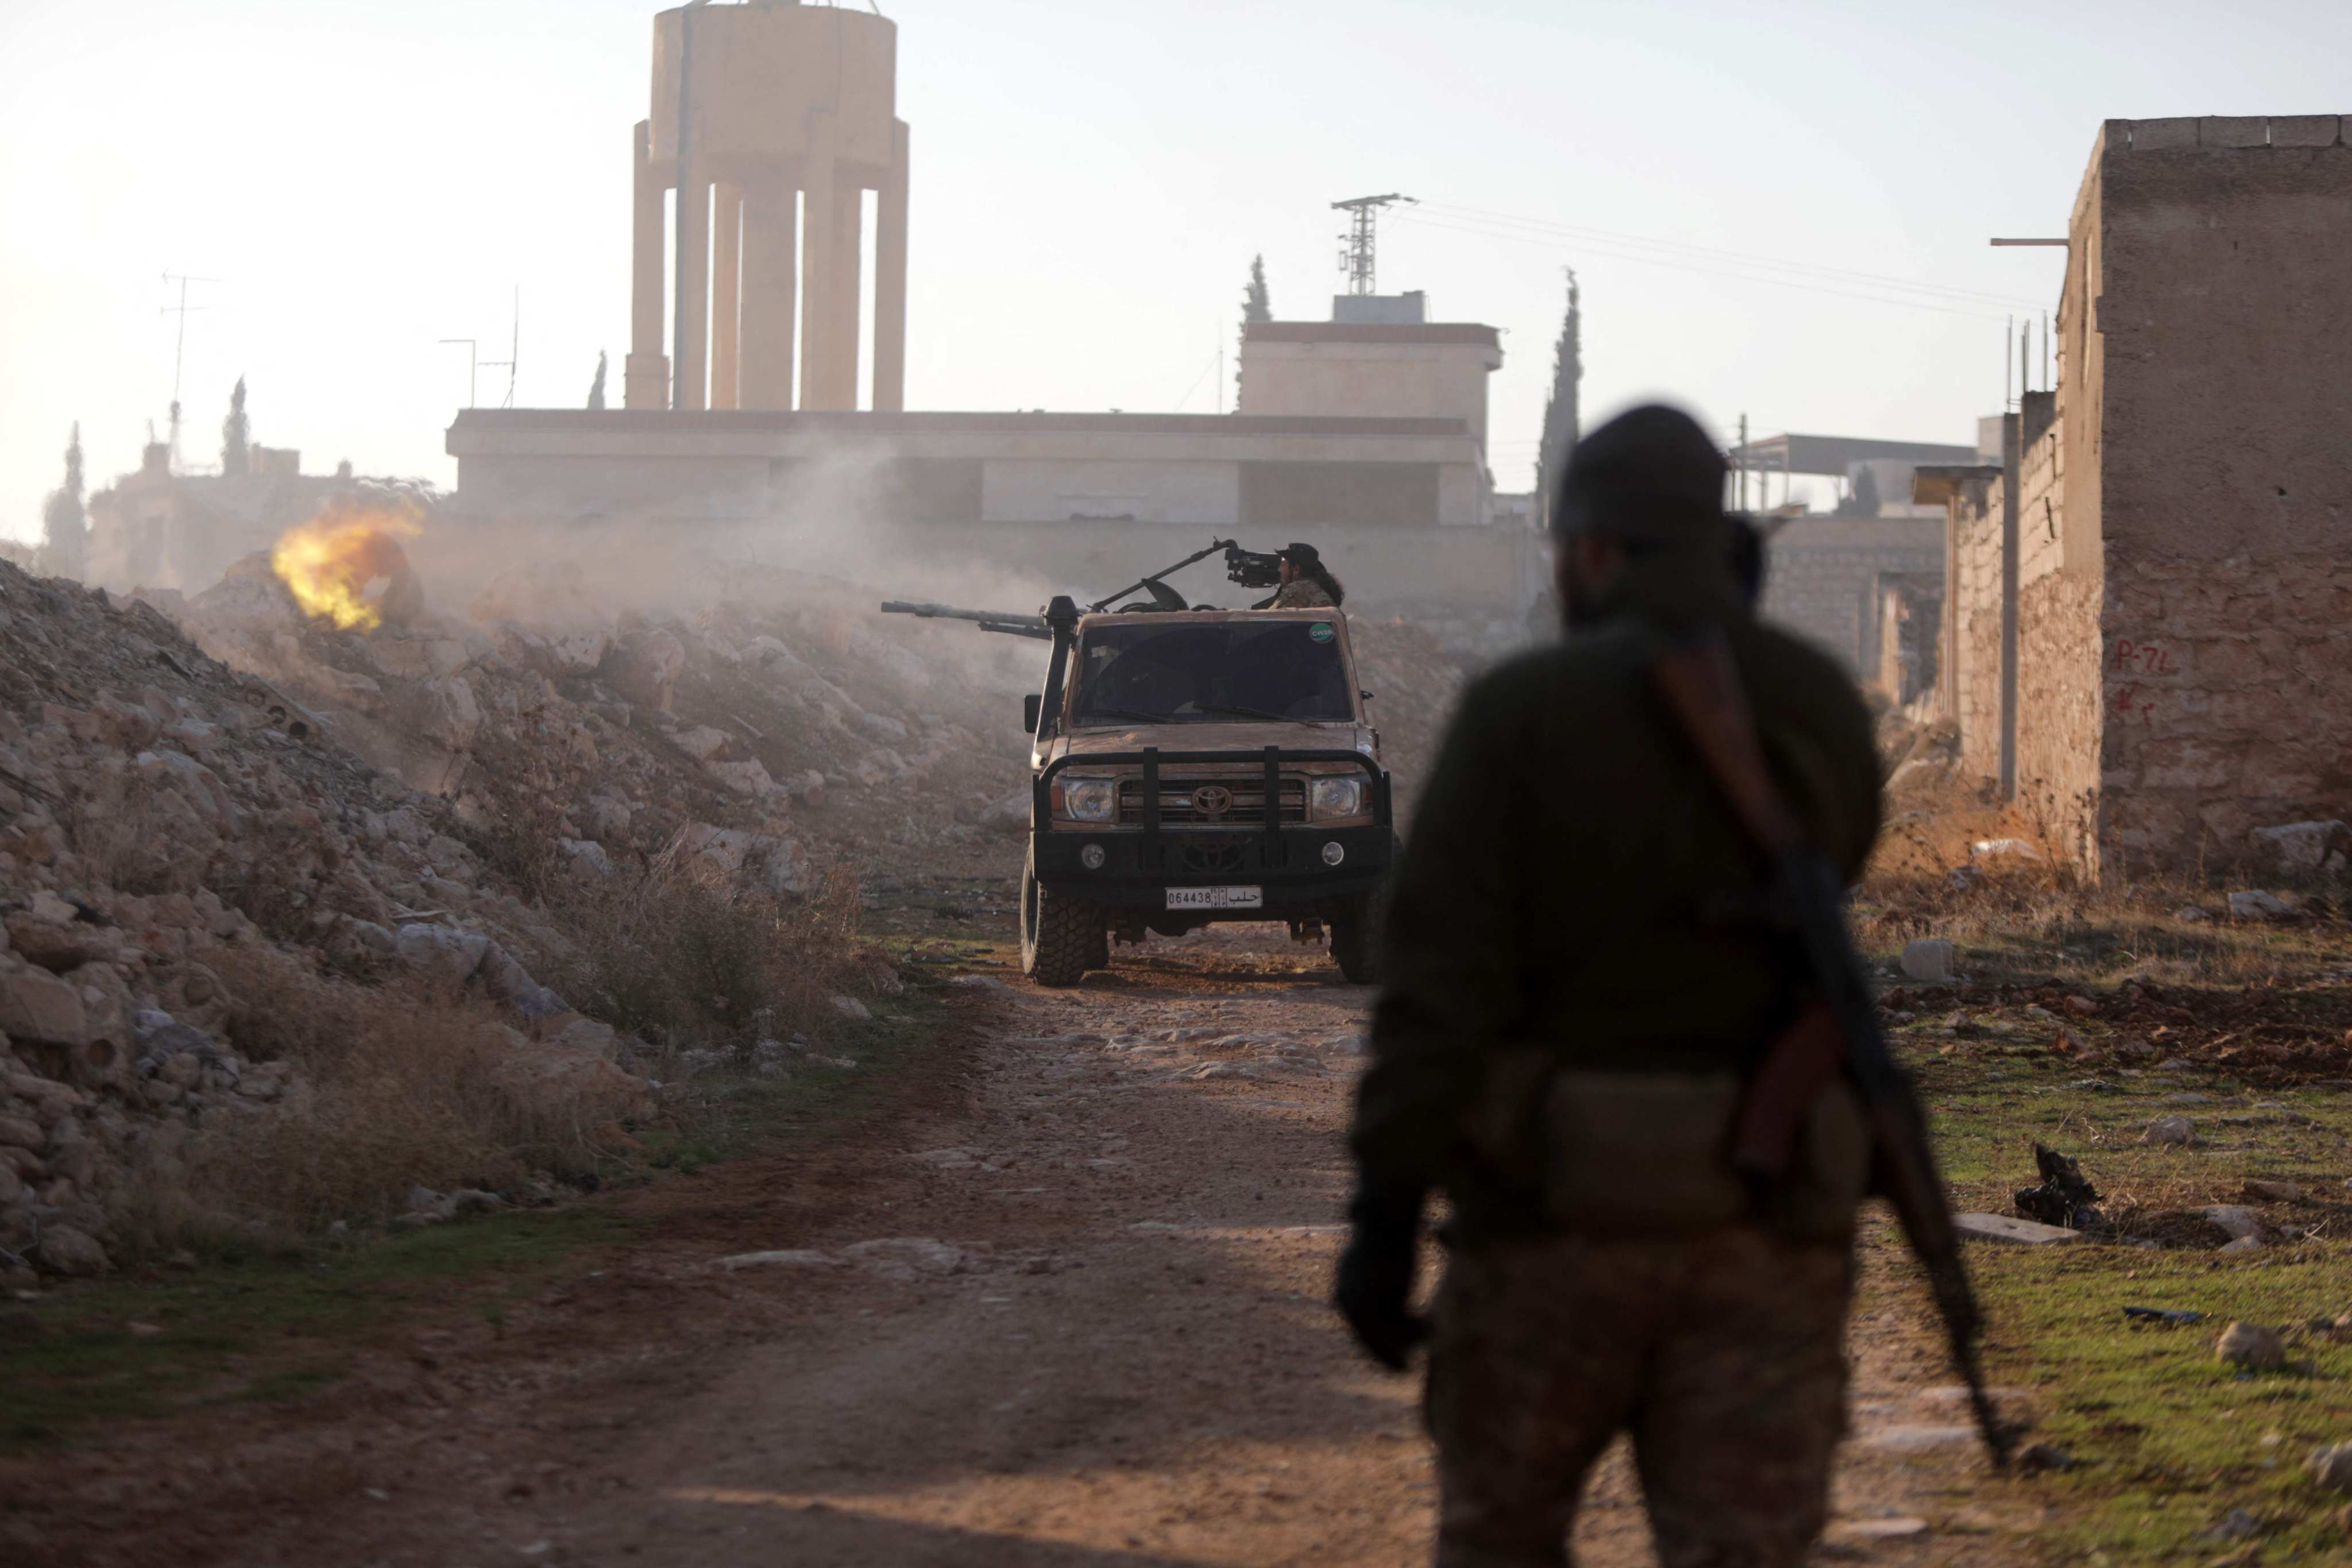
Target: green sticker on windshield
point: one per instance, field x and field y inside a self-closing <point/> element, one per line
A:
<point x="1321" y="631"/>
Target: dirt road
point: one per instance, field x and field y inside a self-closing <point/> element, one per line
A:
<point x="1065" y="1308"/>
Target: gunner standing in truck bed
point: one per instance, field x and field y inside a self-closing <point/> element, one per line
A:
<point x="1306" y="582"/>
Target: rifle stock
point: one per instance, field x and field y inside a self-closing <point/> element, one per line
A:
<point x="1699" y="683"/>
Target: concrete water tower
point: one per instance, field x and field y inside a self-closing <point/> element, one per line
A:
<point x="789" y="116"/>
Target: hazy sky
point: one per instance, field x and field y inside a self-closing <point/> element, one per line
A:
<point x="1090" y="182"/>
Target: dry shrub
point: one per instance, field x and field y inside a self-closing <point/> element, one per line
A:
<point x="680" y="956"/>
<point x="398" y="1085"/>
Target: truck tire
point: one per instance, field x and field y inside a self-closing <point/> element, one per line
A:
<point x="1352" y="940"/>
<point x="1059" y="934"/>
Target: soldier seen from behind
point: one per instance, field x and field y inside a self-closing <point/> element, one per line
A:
<point x="1584" y="965"/>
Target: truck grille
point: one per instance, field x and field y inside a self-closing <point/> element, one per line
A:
<point x="1196" y="803"/>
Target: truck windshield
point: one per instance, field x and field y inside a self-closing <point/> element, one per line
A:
<point x="1196" y="672"/>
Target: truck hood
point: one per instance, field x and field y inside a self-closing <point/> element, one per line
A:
<point x="1246" y="736"/>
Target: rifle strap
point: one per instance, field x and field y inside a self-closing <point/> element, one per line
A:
<point x="1699" y="682"/>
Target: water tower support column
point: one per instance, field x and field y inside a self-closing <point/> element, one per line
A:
<point x="645" y="373"/>
<point x="820" y="257"/>
<point x="890" y="280"/>
<point x="849" y="250"/>
<point x="726" y="295"/>
<point x="771" y="287"/>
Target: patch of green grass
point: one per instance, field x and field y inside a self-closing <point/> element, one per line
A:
<point x="734" y="1111"/>
<point x="2171" y="1439"/>
<point x="266" y="1329"/>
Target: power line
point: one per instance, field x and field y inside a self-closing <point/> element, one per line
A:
<point x="1814" y="280"/>
<point x="1745" y="258"/>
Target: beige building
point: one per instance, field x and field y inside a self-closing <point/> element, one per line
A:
<point x="1365" y="433"/>
<point x="2149" y="632"/>
<point x="157" y="529"/>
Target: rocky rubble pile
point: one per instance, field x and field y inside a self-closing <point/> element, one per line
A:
<point x="162" y="814"/>
<point x="1413" y="681"/>
<point x="779" y="731"/>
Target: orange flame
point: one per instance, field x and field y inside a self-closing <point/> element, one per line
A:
<point x="329" y="563"/>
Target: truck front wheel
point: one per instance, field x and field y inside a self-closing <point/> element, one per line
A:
<point x="1060" y="936"/>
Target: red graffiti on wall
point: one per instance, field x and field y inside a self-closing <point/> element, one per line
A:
<point x="2141" y="659"/>
<point x="2130" y="706"/>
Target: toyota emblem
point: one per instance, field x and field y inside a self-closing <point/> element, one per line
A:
<point x="1213" y="800"/>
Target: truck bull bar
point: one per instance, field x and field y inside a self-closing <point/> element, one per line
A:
<point x="1151" y="759"/>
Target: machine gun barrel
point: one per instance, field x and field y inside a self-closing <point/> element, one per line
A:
<point x="1010" y="621"/>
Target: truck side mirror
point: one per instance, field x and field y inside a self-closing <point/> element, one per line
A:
<point x="1033" y="707"/>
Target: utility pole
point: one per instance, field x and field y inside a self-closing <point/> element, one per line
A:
<point x="180" y="348"/>
<point x="473" y="367"/>
<point x="1356" y="258"/>
<point x="1742" y="481"/>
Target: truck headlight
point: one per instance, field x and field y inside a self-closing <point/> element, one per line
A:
<point x="1087" y="800"/>
<point x="1337" y="796"/>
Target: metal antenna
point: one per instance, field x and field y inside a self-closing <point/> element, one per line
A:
<point x="1356" y="258"/>
<point x="180" y="347"/>
<point x="514" y="351"/>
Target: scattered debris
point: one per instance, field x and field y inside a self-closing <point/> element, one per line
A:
<point x="2277" y="1192"/>
<point x="2234" y="1221"/>
<point x="2003" y="1228"/>
<point x="2036" y="1458"/>
<point x="2257" y="905"/>
<point x="2235" y="1526"/>
<point x="2171" y="1132"/>
<point x="2064" y="1197"/>
<point x="2175" y="1316"/>
<point x="1852" y="1530"/>
<point x="786" y="1258"/>
<point x="1928" y="960"/>
<point x="2331" y="1467"/>
<point x="2252" y="1346"/>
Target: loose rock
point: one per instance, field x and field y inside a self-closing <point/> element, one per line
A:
<point x="2252" y="1346"/>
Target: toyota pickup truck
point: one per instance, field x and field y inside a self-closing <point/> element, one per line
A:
<point x="1202" y="766"/>
<point x="1191" y="766"/>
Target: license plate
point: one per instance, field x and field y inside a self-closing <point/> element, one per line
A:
<point x="1216" y="898"/>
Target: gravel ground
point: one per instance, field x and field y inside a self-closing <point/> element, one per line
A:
<point x="1065" y="1305"/>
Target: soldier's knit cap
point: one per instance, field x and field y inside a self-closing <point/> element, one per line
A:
<point x="1649" y="478"/>
<point x="1305" y="556"/>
